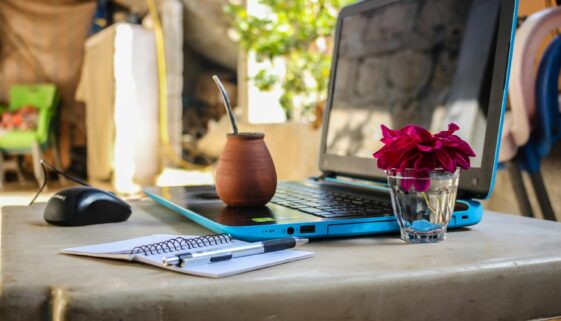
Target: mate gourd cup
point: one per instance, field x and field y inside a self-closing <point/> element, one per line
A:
<point x="245" y="175"/>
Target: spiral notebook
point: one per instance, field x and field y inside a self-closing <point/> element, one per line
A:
<point x="151" y="249"/>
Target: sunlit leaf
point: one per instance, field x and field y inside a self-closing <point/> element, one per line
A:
<point x="291" y="32"/>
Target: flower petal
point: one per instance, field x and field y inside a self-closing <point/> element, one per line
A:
<point x="425" y="162"/>
<point x="421" y="185"/>
<point x="452" y="127"/>
<point x="389" y="133"/>
<point x="424" y="148"/>
<point x="459" y="159"/>
<point x="406" y="184"/>
<point x="430" y="146"/>
<point x="416" y="132"/>
<point x="445" y="161"/>
<point x="407" y="160"/>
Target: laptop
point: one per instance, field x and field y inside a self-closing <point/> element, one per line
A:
<point x="395" y="62"/>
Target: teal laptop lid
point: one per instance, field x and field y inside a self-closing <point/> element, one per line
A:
<point x="419" y="62"/>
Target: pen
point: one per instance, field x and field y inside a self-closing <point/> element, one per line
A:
<point x="205" y="257"/>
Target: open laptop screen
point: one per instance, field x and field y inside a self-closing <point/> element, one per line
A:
<point x="423" y="62"/>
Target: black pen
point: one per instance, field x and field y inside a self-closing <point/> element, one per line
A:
<point x="224" y="254"/>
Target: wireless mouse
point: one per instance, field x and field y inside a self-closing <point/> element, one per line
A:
<point x="84" y="205"/>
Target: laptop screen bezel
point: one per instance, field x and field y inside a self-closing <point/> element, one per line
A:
<point x="476" y="183"/>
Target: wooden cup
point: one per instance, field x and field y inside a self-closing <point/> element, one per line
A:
<point x="245" y="175"/>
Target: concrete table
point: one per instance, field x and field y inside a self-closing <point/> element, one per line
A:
<point x="505" y="268"/>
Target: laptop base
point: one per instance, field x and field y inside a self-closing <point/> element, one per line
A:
<point x="199" y="204"/>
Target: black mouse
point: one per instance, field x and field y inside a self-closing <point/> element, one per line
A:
<point x="84" y="205"/>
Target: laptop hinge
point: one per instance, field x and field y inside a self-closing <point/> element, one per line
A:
<point x="325" y="175"/>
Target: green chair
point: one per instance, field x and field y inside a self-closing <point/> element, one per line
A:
<point x="45" y="97"/>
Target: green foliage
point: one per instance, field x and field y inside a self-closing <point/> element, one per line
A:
<point x="300" y="31"/>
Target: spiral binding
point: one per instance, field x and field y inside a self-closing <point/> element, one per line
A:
<point x="181" y="243"/>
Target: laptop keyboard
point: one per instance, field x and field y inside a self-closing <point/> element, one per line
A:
<point x="328" y="204"/>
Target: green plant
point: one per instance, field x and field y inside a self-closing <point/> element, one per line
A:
<point x="299" y="31"/>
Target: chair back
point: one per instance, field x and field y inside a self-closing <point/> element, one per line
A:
<point x="42" y="96"/>
<point x="547" y="120"/>
<point x="548" y="117"/>
<point x="529" y="38"/>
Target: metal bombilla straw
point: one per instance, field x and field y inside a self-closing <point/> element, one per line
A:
<point x="226" y="100"/>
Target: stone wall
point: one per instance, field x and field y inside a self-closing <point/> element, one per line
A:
<point x="401" y="67"/>
<point x="387" y="72"/>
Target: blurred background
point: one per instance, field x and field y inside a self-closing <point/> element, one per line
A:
<point x="119" y="92"/>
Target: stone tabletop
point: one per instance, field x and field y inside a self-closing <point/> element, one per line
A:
<point x="505" y="268"/>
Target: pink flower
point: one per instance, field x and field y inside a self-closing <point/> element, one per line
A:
<point x="415" y="148"/>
